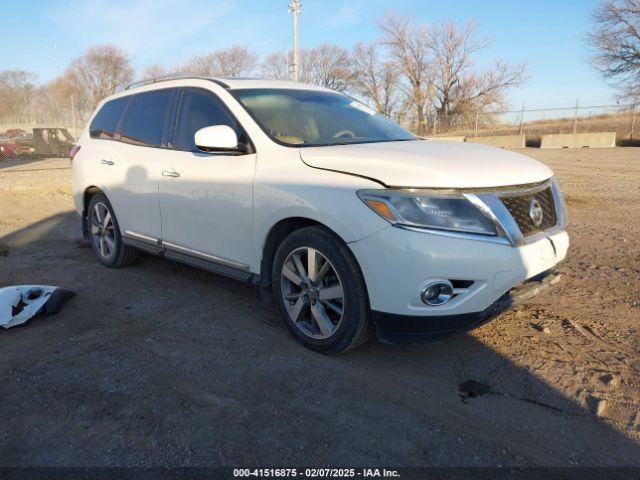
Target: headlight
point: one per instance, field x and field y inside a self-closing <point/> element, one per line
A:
<point x="428" y="210"/>
<point x="558" y="198"/>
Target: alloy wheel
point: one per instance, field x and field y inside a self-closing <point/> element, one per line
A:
<point x="102" y="230"/>
<point x="312" y="293"/>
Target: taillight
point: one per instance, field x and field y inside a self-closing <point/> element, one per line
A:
<point x="74" y="151"/>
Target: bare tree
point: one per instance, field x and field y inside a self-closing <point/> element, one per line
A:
<point x="201" y="65"/>
<point x="236" y="61"/>
<point x="617" y="44"/>
<point x="52" y="100"/>
<point x="276" y="65"/>
<point x="452" y="49"/>
<point x="374" y="79"/>
<point x="153" y="71"/>
<point x="326" y="65"/>
<point x="410" y="51"/>
<point x="458" y="86"/>
<point x="486" y="90"/>
<point x="439" y="72"/>
<point x="100" y="72"/>
<point x="16" y="92"/>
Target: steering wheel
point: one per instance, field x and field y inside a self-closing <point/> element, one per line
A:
<point x="345" y="133"/>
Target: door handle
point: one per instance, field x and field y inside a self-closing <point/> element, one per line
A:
<point x="106" y="162"/>
<point x="170" y="173"/>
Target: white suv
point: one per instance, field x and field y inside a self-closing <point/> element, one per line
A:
<point x="348" y="222"/>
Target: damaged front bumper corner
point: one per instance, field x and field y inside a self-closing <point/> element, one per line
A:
<point x="406" y="329"/>
<point x="20" y="303"/>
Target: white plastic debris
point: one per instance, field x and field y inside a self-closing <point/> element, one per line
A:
<point x="20" y="303"/>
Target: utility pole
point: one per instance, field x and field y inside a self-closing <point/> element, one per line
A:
<point x="477" y="120"/>
<point x="633" y="118"/>
<point x="295" y="8"/>
<point x="56" y="59"/>
<point x="73" y="118"/>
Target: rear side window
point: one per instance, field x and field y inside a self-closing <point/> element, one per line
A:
<point x="105" y="122"/>
<point x="144" y="120"/>
<point x="199" y="109"/>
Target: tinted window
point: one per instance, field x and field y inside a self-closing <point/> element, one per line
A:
<point x="106" y="121"/>
<point x="199" y="109"/>
<point x="144" y="120"/>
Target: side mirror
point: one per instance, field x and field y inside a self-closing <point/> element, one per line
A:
<point x="216" y="138"/>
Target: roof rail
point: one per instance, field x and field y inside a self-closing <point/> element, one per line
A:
<point x="166" y="78"/>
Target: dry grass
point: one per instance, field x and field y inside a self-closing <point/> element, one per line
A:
<point x="621" y="123"/>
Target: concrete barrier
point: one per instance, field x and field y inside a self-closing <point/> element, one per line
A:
<point x="447" y="139"/>
<point x="501" y="141"/>
<point x="30" y="126"/>
<point x="579" y="140"/>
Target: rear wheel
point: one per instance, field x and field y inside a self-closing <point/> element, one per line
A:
<point x="320" y="292"/>
<point x="104" y="233"/>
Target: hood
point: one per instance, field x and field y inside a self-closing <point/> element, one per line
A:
<point x="429" y="164"/>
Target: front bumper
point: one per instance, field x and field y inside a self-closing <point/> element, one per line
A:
<point x="406" y="329"/>
<point x="397" y="264"/>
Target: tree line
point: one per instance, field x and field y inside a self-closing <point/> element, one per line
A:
<point x="616" y="44"/>
<point x="413" y="71"/>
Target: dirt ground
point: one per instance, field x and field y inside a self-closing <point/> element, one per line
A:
<point x="163" y="364"/>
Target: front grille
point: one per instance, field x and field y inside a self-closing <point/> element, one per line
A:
<point x="520" y="205"/>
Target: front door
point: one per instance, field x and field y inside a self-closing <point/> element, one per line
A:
<point x="206" y="199"/>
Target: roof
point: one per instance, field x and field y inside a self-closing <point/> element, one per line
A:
<point x="234" y="83"/>
<point x="242" y="83"/>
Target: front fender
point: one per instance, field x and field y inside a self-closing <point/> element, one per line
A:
<point x="333" y="204"/>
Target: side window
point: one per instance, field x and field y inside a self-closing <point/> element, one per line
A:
<point x="144" y="120"/>
<point x="199" y="109"/>
<point x="104" y="124"/>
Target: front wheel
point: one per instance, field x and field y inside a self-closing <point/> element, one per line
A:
<point x="320" y="292"/>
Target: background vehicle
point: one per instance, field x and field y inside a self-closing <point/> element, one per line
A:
<point x="43" y="142"/>
<point x="343" y="218"/>
<point x="9" y="148"/>
<point x="15" y="133"/>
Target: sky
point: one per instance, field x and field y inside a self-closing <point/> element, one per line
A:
<point x="44" y="36"/>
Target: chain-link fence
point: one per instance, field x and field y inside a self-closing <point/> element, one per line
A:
<point x="28" y="139"/>
<point x="624" y="120"/>
<point x="25" y="140"/>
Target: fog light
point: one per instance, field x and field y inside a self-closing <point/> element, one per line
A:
<point x="437" y="293"/>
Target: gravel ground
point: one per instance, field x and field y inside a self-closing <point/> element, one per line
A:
<point x="162" y="364"/>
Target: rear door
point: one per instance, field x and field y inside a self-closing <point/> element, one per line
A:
<point x="140" y="149"/>
<point x="105" y="166"/>
<point x="206" y="199"/>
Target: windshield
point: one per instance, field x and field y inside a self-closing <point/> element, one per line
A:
<point x="306" y="118"/>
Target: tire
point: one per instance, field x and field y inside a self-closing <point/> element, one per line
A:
<point x="105" y="237"/>
<point x="326" y="322"/>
